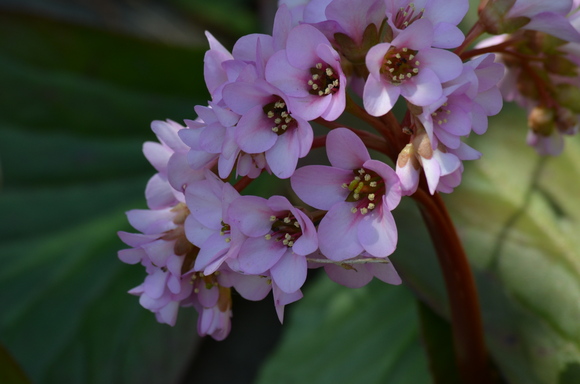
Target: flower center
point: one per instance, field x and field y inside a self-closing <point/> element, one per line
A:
<point x="278" y="113"/>
<point x="225" y="231"/>
<point x="366" y="188"/>
<point x="399" y="65"/>
<point x="323" y="80"/>
<point x="406" y="16"/>
<point x="285" y="228"/>
<point x="441" y="114"/>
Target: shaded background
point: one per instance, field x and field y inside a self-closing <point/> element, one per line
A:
<point x="80" y="82"/>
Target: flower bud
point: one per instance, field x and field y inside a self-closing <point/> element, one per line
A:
<point x="541" y="120"/>
<point x="566" y="121"/>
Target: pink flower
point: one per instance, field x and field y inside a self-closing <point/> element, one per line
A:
<point x="279" y="238"/>
<point x="359" y="194"/>
<point x="344" y="16"/>
<point x="407" y="67"/>
<point x="308" y="72"/>
<point x="466" y="103"/>
<point x="266" y="126"/>
<point x="212" y="137"/>
<point x="208" y="226"/>
<point x="546" y="16"/>
<point x="443" y="14"/>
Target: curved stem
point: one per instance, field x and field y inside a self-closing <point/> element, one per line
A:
<point x="471" y="352"/>
<point x="473" y="34"/>
<point x="376" y="123"/>
<point x="243" y="183"/>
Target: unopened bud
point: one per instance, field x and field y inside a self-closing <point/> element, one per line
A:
<point x="423" y="146"/>
<point x="541" y="121"/>
<point x="566" y="121"/>
<point x="406" y="155"/>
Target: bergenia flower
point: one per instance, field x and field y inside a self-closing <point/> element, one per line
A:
<point x="407" y="67"/>
<point x="344" y="16"/>
<point x="280" y="236"/>
<point x="443" y="14"/>
<point x="466" y="103"/>
<point x="208" y="226"/>
<point x="308" y="71"/>
<point x="359" y="194"/>
<point x="266" y="126"/>
<point x="546" y="16"/>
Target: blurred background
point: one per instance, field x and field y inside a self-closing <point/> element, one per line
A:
<point x="80" y="83"/>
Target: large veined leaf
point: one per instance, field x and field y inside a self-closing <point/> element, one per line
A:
<point x="342" y="335"/>
<point x="74" y="115"/>
<point x="519" y="216"/>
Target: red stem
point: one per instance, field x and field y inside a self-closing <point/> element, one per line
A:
<point x="243" y="183"/>
<point x="471" y="352"/>
<point x="473" y="34"/>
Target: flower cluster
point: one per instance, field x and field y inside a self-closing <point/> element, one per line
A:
<point x="202" y="237"/>
<point x="542" y="59"/>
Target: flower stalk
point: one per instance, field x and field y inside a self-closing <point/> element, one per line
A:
<point x="467" y="328"/>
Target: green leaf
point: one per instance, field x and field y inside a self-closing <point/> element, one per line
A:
<point x="78" y="104"/>
<point x="341" y="335"/>
<point x="71" y="319"/>
<point x="519" y="217"/>
<point x="68" y="78"/>
<point x="10" y="371"/>
<point x="438" y="339"/>
<point x="570" y="375"/>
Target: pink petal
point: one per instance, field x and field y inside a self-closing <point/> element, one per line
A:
<point x="258" y="255"/>
<point x="337" y="233"/>
<point x="351" y="278"/>
<point x="345" y="149"/>
<point x="252" y="215"/>
<point x="377" y="232"/>
<point x="423" y="89"/>
<point x="254" y="131"/>
<point x="379" y="97"/>
<point x="289" y="273"/>
<point x="320" y="186"/>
